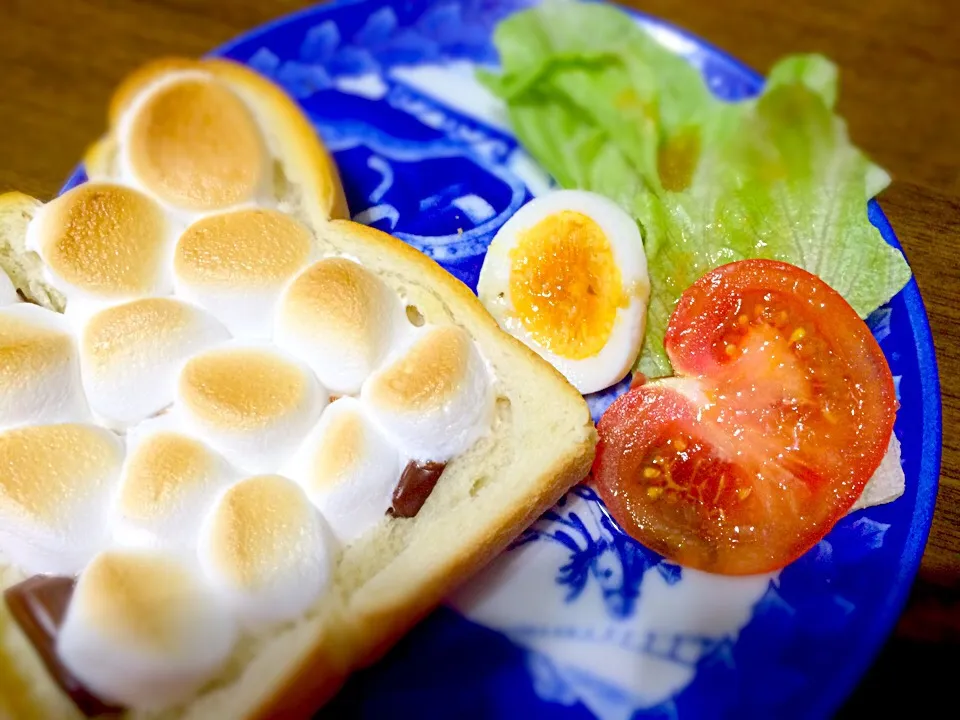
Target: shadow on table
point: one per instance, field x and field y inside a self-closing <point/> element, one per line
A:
<point x="915" y="661"/>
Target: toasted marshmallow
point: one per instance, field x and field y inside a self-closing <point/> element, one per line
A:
<point x="131" y="355"/>
<point x="192" y="143"/>
<point x="348" y="469"/>
<point x="168" y="485"/>
<point x="436" y="398"/>
<point x="103" y="243"/>
<point x="55" y="489"/>
<point x="142" y="630"/>
<point x="251" y="403"/>
<point x="266" y="549"/>
<point x="340" y="319"/>
<point x="39" y="368"/>
<point x="8" y="292"/>
<point x="236" y="264"/>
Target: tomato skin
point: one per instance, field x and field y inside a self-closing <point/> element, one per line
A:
<point x="702" y="309"/>
<point x="782" y="411"/>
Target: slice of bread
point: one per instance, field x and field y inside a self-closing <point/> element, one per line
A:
<point x="541" y="445"/>
<point x="22" y="266"/>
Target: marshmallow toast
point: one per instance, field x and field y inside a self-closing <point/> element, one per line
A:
<point x="244" y="380"/>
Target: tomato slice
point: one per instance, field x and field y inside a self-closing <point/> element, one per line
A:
<point x="781" y="411"/>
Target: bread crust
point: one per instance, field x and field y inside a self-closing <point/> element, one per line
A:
<point x="16" y="212"/>
<point x="371" y="621"/>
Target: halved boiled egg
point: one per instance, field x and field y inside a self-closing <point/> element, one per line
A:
<point x="567" y="275"/>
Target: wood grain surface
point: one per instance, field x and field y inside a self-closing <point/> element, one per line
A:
<point x="900" y="65"/>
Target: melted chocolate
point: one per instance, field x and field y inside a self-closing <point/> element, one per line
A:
<point x="416" y="484"/>
<point x="38" y="605"/>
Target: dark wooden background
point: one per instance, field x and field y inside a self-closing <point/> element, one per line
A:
<point x="900" y="64"/>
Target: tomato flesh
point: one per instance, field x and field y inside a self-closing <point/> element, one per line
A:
<point x="781" y="412"/>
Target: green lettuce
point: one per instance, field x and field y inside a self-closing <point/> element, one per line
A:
<point x="603" y="107"/>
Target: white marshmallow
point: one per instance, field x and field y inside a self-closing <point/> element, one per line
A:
<point x="131" y="355"/>
<point x="340" y="319"/>
<point x="252" y="404"/>
<point x="56" y="488"/>
<point x="8" y="292"/>
<point x="266" y="549"/>
<point x="168" y="485"/>
<point x="39" y="369"/>
<point x="435" y="398"/>
<point x="236" y="264"/>
<point x="142" y="630"/>
<point x="348" y="469"/>
<point x="190" y="142"/>
<point x="103" y="243"/>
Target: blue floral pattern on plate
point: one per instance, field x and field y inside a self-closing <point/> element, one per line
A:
<point x="577" y="619"/>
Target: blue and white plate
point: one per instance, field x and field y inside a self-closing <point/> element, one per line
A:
<point x="577" y="619"/>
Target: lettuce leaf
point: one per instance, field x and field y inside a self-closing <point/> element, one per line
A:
<point x="603" y="107"/>
<point x="786" y="184"/>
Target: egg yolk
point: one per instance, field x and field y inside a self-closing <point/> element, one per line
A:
<point x="565" y="285"/>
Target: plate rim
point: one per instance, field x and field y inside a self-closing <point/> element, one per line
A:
<point x="879" y="630"/>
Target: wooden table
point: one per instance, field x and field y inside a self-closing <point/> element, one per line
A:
<point x="900" y="62"/>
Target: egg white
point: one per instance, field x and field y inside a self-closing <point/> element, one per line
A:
<point x="616" y="357"/>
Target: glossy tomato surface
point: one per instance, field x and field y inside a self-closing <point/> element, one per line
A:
<point x="781" y="410"/>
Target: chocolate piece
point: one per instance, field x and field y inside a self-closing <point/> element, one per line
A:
<point x="416" y="484"/>
<point x="39" y="605"/>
